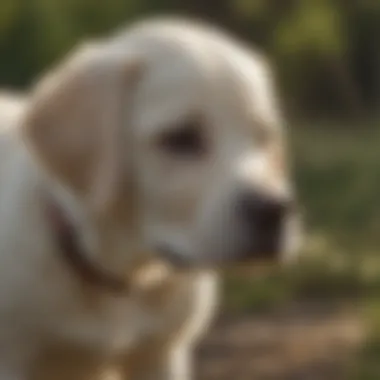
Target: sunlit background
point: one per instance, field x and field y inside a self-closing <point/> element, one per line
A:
<point x="321" y="319"/>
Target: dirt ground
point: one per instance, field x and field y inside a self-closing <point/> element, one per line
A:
<point x="300" y="342"/>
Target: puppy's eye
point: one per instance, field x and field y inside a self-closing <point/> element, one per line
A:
<point x="187" y="141"/>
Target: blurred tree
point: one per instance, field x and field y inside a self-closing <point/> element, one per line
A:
<point x="325" y="51"/>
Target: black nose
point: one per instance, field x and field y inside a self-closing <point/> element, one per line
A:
<point x="263" y="216"/>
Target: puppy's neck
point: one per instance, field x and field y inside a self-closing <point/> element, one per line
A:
<point x="95" y="250"/>
<point x="77" y="216"/>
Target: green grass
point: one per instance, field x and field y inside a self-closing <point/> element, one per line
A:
<point x="337" y="172"/>
<point x="338" y="177"/>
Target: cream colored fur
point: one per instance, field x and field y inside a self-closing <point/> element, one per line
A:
<point x="87" y="136"/>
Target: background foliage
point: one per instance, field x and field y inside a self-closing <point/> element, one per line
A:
<point x="326" y="52"/>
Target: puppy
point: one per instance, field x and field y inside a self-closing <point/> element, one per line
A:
<point x="134" y="170"/>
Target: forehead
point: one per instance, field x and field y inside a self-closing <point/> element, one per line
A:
<point x="171" y="88"/>
<point x="207" y="75"/>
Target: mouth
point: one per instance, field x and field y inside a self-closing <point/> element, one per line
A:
<point x="254" y="262"/>
<point x="253" y="269"/>
<point x="174" y="259"/>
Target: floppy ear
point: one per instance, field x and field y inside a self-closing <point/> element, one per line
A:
<point x="75" y="122"/>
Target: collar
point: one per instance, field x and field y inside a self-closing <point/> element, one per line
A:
<point x="72" y="252"/>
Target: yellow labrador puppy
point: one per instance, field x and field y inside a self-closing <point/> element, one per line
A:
<point x="137" y="167"/>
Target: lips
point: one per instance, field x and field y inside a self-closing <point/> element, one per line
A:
<point x="173" y="258"/>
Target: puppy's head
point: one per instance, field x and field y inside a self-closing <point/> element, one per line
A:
<point x="172" y="131"/>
